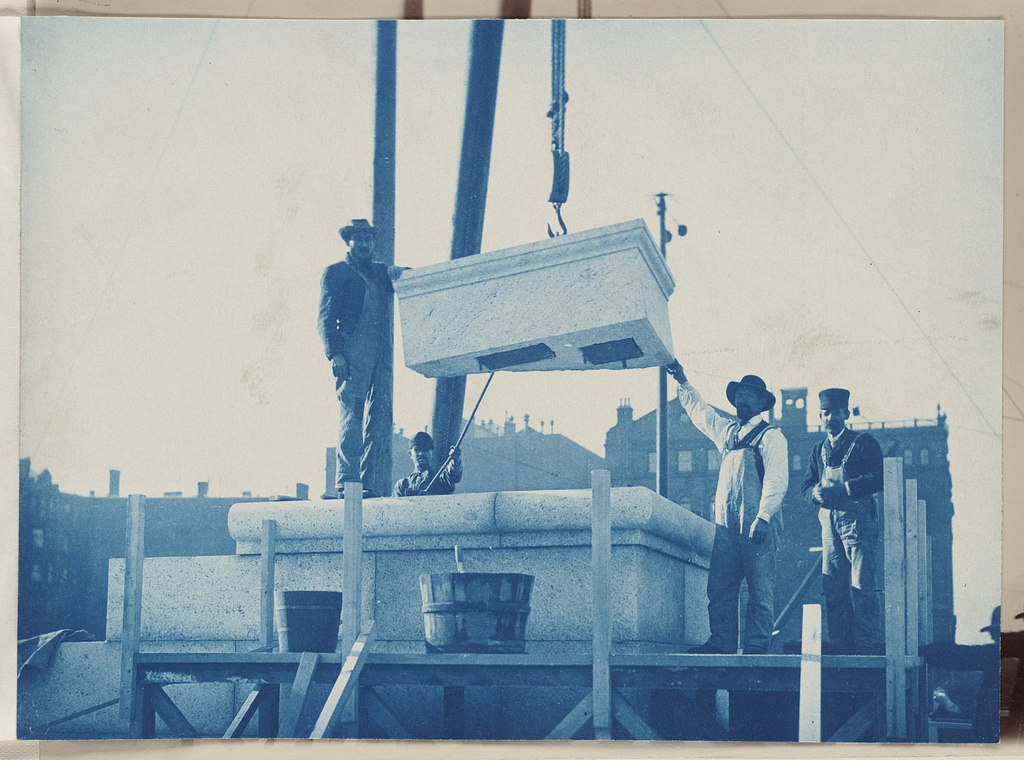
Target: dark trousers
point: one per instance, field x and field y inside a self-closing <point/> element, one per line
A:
<point x="734" y="557"/>
<point x="363" y="431"/>
<point x="849" y="539"/>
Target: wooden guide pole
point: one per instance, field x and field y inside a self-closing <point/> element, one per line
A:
<point x="912" y="629"/>
<point x="268" y="550"/>
<point x="131" y="619"/>
<point x="352" y="584"/>
<point x="810" y="675"/>
<point x="601" y="560"/>
<point x="895" y="602"/>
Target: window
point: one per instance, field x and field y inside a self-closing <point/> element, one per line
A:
<point x="652" y="462"/>
<point x="908" y="457"/>
<point x="37" y="537"/>
<point x="923" y="457"/>
<point x="685" y="461"/>
<point x="37" y="574"/>
<point x="714" y="459"/>
<point x="797" y="463"/>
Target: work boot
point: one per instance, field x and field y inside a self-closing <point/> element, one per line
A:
<point x="756" y="649"/>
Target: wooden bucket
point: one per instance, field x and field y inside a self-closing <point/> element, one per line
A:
<point x="475" y="612"/>
<point x="307" y="621"/>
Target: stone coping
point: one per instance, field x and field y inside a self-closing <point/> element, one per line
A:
<point x="541" y="254"/>
<point x="502" y="518"/>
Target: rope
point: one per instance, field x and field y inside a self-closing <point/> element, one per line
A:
<point x="463" y="435"/>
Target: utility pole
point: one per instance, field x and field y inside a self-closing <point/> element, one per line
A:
<point x="470" y="202"/>
<point x="661" y="439"/>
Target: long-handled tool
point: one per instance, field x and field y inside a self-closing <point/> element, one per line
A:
<point x="463" y="435"/>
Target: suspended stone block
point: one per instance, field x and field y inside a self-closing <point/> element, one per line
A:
<point x="591" y="300"/>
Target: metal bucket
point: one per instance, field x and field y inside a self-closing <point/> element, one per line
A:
<point x="307" y="621"/>
<point x="475" y="612"/>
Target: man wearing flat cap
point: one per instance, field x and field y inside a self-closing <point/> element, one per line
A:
<point x="354" y="296"/>
<point x="423" y="481"/>
<point x="843" y="471"/>
<point x="752" y="482"/>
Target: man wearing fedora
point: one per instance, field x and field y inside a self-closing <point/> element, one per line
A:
<point x="843" y="471"/>
<point x="354" y="296"/>
<point x="752" y="482"/>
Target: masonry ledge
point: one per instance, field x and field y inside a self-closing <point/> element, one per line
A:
<point x="304" y="526"/>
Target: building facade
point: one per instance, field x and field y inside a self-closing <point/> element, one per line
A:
<point x="693" y="476"/>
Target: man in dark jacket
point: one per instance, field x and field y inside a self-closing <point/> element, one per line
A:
<point x="843" y="471"/>
<point x="354" y="296"/>
<point x="422" y="451"/>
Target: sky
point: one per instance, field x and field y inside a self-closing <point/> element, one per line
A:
<point x="184" y="180"/>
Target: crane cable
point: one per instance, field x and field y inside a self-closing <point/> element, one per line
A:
<point x="559" y="97"/>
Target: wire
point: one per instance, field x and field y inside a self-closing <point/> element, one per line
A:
<point x="849" y="229"/>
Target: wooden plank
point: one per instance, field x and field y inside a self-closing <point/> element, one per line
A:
<point x="578" y="716"/>
<point x="270" y="712"/>
<point x="895" y="601"/>
<point x="345" y="685"/>
<point x="923" y="584"/>
<point x="131" y="617"/>
<point x="857" y="725"/>
<point x="172" y="716"/>
<point x="912" y="629"/>
<point x="601" y="561"/>
<point x="911" y="544"/>
<point x="245" y="712"/>
<point x="352" y="610"/>
<point x="268" y="552"/>
<point x="630" y="720"/>
<point x="42" y="728"/>
<point x="453" y="712"/>
<point x="297" y="696"/>
<point x="382" y="715"/>
<point x="810" y="675"/>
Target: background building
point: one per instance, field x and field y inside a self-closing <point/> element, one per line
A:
<point x="693" y="476"/>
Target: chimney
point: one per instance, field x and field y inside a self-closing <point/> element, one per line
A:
<point x="302" y="491"/>
<point x="204" y="488"/>
<point x="624" y="412"/>
<point x="510" y="425"/>
<point x="331" y="474"/>
<point x="115" y="483"/>
<point x="552" y="427"/>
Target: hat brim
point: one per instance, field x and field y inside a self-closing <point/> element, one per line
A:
<point x="767" y="397"/>
<point x="347" y="233"/>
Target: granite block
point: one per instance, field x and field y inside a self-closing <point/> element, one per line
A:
<point x="562" y="297"/>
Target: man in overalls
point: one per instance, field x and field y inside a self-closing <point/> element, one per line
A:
<point x="752" y="483"/>
<point x="843" y="471"/>
<point x="422" y="452"/>
<point x="354" y="295"/>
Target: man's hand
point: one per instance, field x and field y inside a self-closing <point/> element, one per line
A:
<point x="395" y="272"/>
<point x="832" y="492"/>
<point x="759" y="531"/>
<point x="816" y="496"/>
<point x="339" y="366"/>
<point x="676" y="370"/>
<point x="455" y="454"/>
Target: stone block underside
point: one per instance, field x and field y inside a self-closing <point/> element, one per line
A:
<point x="592" y="300"/>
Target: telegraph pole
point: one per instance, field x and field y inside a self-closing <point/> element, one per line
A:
<point x="661" y="439"/>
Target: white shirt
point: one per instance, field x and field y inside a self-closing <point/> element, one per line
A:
<point x="720" y="429"/>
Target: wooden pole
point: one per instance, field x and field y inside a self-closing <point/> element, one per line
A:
<point x="912" y="629"/>
<point x="268" y="550"/>
<point x="895" y="602"/>
<point x="384" y="241"/>
<point x="351" y="601"/>
<point x="923" y="612"/>
<point x="470" y="201"/>
<point x="601" y="560"/>
<point x="810" y="675"/>
<point x="131" y="619"/>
